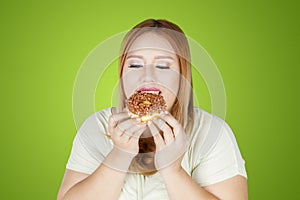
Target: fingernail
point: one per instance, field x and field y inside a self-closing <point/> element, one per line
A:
<point x="113" y="110"/>
<point x="138" y="119"/>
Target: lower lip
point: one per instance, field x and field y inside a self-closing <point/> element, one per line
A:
<point x="149" y="89"/>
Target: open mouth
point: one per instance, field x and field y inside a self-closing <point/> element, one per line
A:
<point x="152" y="90"/>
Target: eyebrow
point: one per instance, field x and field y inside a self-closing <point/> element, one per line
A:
<point x="156" y="57"/>
<point x="164" y="57"/>
<point x="134" y="56"/>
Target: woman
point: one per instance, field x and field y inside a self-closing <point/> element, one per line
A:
<point x="186" y="153"/>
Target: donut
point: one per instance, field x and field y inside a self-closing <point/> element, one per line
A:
<point x="145" y="105"/>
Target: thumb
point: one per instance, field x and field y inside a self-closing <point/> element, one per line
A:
<point x="113" y="110"/>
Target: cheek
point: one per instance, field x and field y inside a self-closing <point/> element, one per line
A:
<point x="130" y="81"/>
<point x="171" y="87"/>
<point x="170" y="99"/>
<point x="170" y="81"/>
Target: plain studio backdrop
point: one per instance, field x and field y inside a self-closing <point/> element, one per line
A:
<point x="255" y="46"/>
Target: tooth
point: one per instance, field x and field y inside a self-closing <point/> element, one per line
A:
<point x="153" y="92"/>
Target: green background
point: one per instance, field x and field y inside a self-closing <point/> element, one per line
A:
<point x="43" y="43"/>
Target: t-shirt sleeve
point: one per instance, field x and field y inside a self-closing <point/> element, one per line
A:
<point x="90" y="145"/>
<point x="222" y="161"/>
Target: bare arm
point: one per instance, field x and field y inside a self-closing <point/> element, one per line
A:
<point x="178" y="183"/>
<point x="233" y="188"/>
<point x="104" y="183"/>
<point x="181" y="186"/>
<point x="107" y="180"/>
<point x="70" y="179"/>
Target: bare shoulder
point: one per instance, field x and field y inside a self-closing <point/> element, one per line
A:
<point x="232" y="188"/>
<point x="71" y="178"/>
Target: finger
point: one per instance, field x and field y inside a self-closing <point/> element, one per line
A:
<point x="119" y="116"/>
<point x="178" y="131"/>
<point x="118" y="131"/>
<point x="111" y="124"/>
<point x="133" y="128"/>
<point x="162" y="125"/>
<point x="167" y="131"/>
<point x="125" y="137"/>
<point x="159" y="141"/>
<point x="126" y="124"/>
<point x="171" y="121"/>
<point x="137" y="134"/>
<point x="113" y="110"/>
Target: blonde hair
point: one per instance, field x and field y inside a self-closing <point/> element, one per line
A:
<point x="182" y="109"/>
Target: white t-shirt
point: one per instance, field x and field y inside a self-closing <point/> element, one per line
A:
<point x="212" y="156"/>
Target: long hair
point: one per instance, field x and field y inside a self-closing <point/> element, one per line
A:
<point x="182" y="108"/>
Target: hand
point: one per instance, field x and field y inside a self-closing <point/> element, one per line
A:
<point x="125" y="133"/>
<point x="171" y="142"/>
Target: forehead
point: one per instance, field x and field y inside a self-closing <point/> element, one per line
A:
<point x="151" y="41"/>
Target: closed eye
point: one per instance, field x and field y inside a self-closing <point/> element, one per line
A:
<point x="135" y="66"/>
<point x="162" y="67"/>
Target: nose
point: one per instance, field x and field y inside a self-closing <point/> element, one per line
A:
<point x="148" y="75"/>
